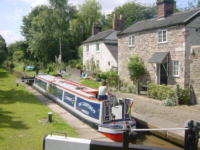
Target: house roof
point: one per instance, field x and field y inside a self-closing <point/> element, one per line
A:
<point x="108" y="35"/>
<point x="174" y="19"/>
<point x="158" y="57"/>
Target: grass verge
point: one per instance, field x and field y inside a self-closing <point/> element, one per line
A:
<point x="23" y="119"/>
<point x="90" y="83"/>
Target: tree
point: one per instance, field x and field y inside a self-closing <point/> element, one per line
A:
<point x="133" y="12"/>
<point x="192" y="4"/>
<point x="19" y="46"/>
<point x="61" y="24"/>
<point x="81" y="24"/>
<point x="43" y="28"/>
<point x="3" y="50"/>
<point x="136" y="69"/>
<point x="89" y="13"/>
<point x="18" y="55"/>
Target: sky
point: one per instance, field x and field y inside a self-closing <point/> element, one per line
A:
<point x="12" y="12"/>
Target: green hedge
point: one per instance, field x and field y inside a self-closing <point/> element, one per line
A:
<point x="183" y="95"/>
<point x="160" y="92"/>
<point x="111" y="77"/>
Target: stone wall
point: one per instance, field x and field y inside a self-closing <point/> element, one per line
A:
<point x="192" y="56"/>
<point x="195" y="71"/>
<point x="146" y="44"/>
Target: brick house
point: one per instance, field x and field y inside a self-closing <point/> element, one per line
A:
<point x="101" y="48"/>
<point x="168" y="45"/>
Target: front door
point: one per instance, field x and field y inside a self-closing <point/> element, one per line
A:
<point x="163" y="73"/>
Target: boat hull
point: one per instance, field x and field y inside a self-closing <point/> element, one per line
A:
<point x="81" y="102"/>
<point x="115" y="131"/>
<point x="68" y="108"/>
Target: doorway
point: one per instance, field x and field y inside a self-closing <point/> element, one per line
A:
<point x="164" y="74"/>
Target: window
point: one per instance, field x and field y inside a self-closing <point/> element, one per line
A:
<point x="52" y="89"/>
<point x="131" y="41"/>
<point x="97" y="63"/>
<point x="162" y="36"/>
<point x="176" y="68"/>
<point x="87" y="48"/>
<point x="97" y="47"/>
<point x="59" y="93"/>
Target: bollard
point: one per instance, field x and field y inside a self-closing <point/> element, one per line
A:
<point x="191" y="136"/>
<point x="125" y="137"/>
<point x="50" y="114"/>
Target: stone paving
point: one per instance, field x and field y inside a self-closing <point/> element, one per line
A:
<point x="155" y="115"/>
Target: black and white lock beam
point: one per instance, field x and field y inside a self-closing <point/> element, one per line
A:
<point x="54" y="142"/>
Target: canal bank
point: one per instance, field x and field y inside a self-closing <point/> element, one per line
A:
<point x="86" y="131"/>
<point x="151" y="114"/>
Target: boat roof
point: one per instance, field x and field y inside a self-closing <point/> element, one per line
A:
<point x="69" y="85"/>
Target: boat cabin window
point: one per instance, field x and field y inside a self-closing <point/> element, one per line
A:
<point x="56" y="91"/>
<point x="41" y="83"/>
<point x="52" y="89"/>
<point x="59" y="93"/>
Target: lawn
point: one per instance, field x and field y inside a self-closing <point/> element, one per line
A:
<point x="23" y="119"/>
<point x="91" y="83"/>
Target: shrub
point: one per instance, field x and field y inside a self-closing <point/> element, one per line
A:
<point x="183" y="95"/>
<point x="170" y="101"/>
<point x="136" y="70"/>
<point x="9" y="65"/>
<point x="75" y="63"/>
<point x="111" y="77"/>
<point x="132" y="89"/>
<point x="160" y="92"/>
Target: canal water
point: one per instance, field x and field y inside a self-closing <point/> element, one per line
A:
<point x="147" y="139"/>
<point x="151" y="140"/>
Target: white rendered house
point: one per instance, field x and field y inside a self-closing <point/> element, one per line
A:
<point x="101" y="49"/>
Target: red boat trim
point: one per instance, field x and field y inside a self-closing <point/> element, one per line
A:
<point x="114" y="137"/>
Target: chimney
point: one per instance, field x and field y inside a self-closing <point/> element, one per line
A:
<point x="118" y="24"/>
<point x="165" y="8"/>
<point x="95" y="29"/>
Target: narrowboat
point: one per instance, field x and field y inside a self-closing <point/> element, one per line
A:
<point x="109" y="116"/>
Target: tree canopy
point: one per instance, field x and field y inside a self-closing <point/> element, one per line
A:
<point x="60" y="28"/>
<point x="3" y="50"/>
<point x="133" y="12"/>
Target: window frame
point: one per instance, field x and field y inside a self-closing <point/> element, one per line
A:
<point x="173" y="68"/>
<point x="162" y="36"/>
<point x="97" y="63"/>
<point x="131" y="40"/>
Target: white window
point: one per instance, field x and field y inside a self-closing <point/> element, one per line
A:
<point x="131" y="40"/>
<point x="97" y="47"/>
<point x="87" y="48"/>
<point x="176" y="68"/>
<point x="162" y="36"/>
<point x="97" y="63"/>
